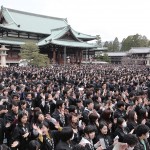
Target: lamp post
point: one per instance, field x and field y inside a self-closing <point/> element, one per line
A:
<point x="3" y="55"/>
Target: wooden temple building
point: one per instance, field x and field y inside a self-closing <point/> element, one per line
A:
<point x="54" y="36"/>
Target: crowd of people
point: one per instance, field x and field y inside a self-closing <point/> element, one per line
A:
<point x="75" y="107"/>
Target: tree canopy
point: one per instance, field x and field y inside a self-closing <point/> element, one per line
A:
<point x="103" y="57"/>
<point x="136" y="40"/>
<point x="31" y="53"/>
<point x="112" y="46"/>
<point x="116" y="44"/>
<point x="98" y="41"/>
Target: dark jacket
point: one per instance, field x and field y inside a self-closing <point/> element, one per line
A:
<point x="107" y="141"/>
<point x="48" y="108"/>
<point x="18" y="133"/>
<point x="1" y="131"/>
<point x="140" y="146"/>
<point x="49" y="143"/>
<point x="86" y="116"/>
<point x="63" y="146"/>
<point x="131" y="125"/>
<point x="61" y="119"/>
<point x="118" y="113"/>
<point x="121" y="133"/>
<point x="10" y="117"/>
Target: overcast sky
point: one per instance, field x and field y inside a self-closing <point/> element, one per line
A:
<point x="107" y="18"/>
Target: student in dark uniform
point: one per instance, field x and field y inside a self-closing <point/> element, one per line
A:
<point x="66" y="137"/>
<point x="121" y="129"/>
<point x="22" y="133"/>
<point x="47" y="138"/>
<point x="10" y="121"/>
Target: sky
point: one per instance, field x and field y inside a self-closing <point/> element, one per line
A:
<point x="107" y="18"/>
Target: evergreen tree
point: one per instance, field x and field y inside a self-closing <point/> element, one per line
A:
<point x="109" y="45"/>
<point x="98" y="42"/>
<point x="31" y="53"/>
<point x="116" y="44"/>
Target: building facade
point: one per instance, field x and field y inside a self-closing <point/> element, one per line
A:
<point x="54" y="36"/>
<point x="136" y="55"/>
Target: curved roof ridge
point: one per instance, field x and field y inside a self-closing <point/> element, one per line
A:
<point x="58" y="28"/>
<point x="6" y="10"/>
<point x="34" y="14"/>
<point x="140" y="47"/>
<point x="82" y="33"/>
<point x="60" y="32"/>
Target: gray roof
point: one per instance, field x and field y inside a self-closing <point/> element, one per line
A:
<point x="137" y="50"/>
<point x="116" y="54"/>
<point x="72" y="43"/>
<point x="35" y="23"/>
<point x="4" y="41"/>
<point x="31" y="22"/>
<point x="55" y="38"/>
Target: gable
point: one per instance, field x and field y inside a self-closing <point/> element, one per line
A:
<point x="68" y="36"/>
<point x="2" y="19"/>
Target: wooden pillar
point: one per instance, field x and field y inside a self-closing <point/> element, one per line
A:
<point x="86" y="56"/>
<point x="77" y="56"/>
<point x="80" y="56"/>
<point x="54" y="56"/>
<point x="59" y="56"/>
<point x="65" y="56"/>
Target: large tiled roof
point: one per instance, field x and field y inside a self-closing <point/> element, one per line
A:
<point x="136" y="50"/>
<point x="35" y="23"/>
<point x="25" y="21"/>
<point x="55" y="38"/>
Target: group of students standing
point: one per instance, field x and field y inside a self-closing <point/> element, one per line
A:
<point x="90" y="107"/>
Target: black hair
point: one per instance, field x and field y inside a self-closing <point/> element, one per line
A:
<point x="131" y="115"/>
<point x="23" y="102"/>
<point x="88" y="101"/>
<point x="89" y="129"/>
<point x="20" y="116"/>
<point x="14" y="103"/>
<point x="130" y="139"/>
<point x="101" y="125"/>
<point x="141" y="115"/>
<point x="59" y="103"/>
<point x="66" y="134"/>
<point x="37" y="115"/>
<point x="120" y="104"/>
<point x="45" y="123"/>
<point x="95" y="98"/>
<point x="72" y="108"/>
<point x="34" y="145"/>
<point x="141" y="129"/>
<point x="120" y="121"/>
<point x="93" y="117"/>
